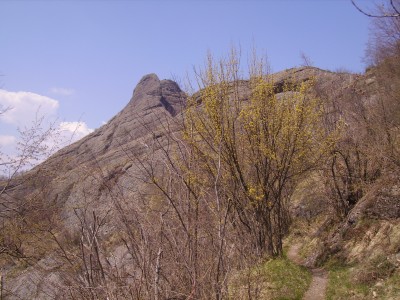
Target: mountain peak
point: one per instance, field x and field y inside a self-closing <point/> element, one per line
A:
<point x="147" y="85"/>
<point x="151" y="92"/>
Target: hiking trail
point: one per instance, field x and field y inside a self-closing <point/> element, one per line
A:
<point x="317" y="288"/>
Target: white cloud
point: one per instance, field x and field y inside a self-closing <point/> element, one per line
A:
<point x="51" y="141"/>
<point x="62" y="91"/>
<point x="36" y="117"/>
<point x="73" y="131"/>
<point x="24" y="107"/>
<point x="6" y="140"/>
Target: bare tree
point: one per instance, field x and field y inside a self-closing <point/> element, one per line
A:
<point x="392" y="12"/>
<point x="368" y="144"/>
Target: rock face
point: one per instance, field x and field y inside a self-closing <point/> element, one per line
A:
<point x="89" y="173"/>
<point x="153" y="103"/>
<point x="151" y="99"/>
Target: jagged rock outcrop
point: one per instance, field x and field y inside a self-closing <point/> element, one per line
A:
<point x="152" y="99"/>
<point x="153" y="103"/>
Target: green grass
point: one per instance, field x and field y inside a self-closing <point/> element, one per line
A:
<point x="391" y="288"/>
<point x="276" y="279"/>
<point x="340" y="285"/>
<point x="375" y="280"/>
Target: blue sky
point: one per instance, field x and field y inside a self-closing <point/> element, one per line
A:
<point x="88" y="55"/>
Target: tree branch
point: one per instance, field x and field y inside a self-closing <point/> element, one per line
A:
<point x="384" y="15"/>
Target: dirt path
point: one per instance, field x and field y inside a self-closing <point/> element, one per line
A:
<point x="317" y="289"/>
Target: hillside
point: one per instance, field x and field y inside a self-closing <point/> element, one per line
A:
<point x="122" y="213"/>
